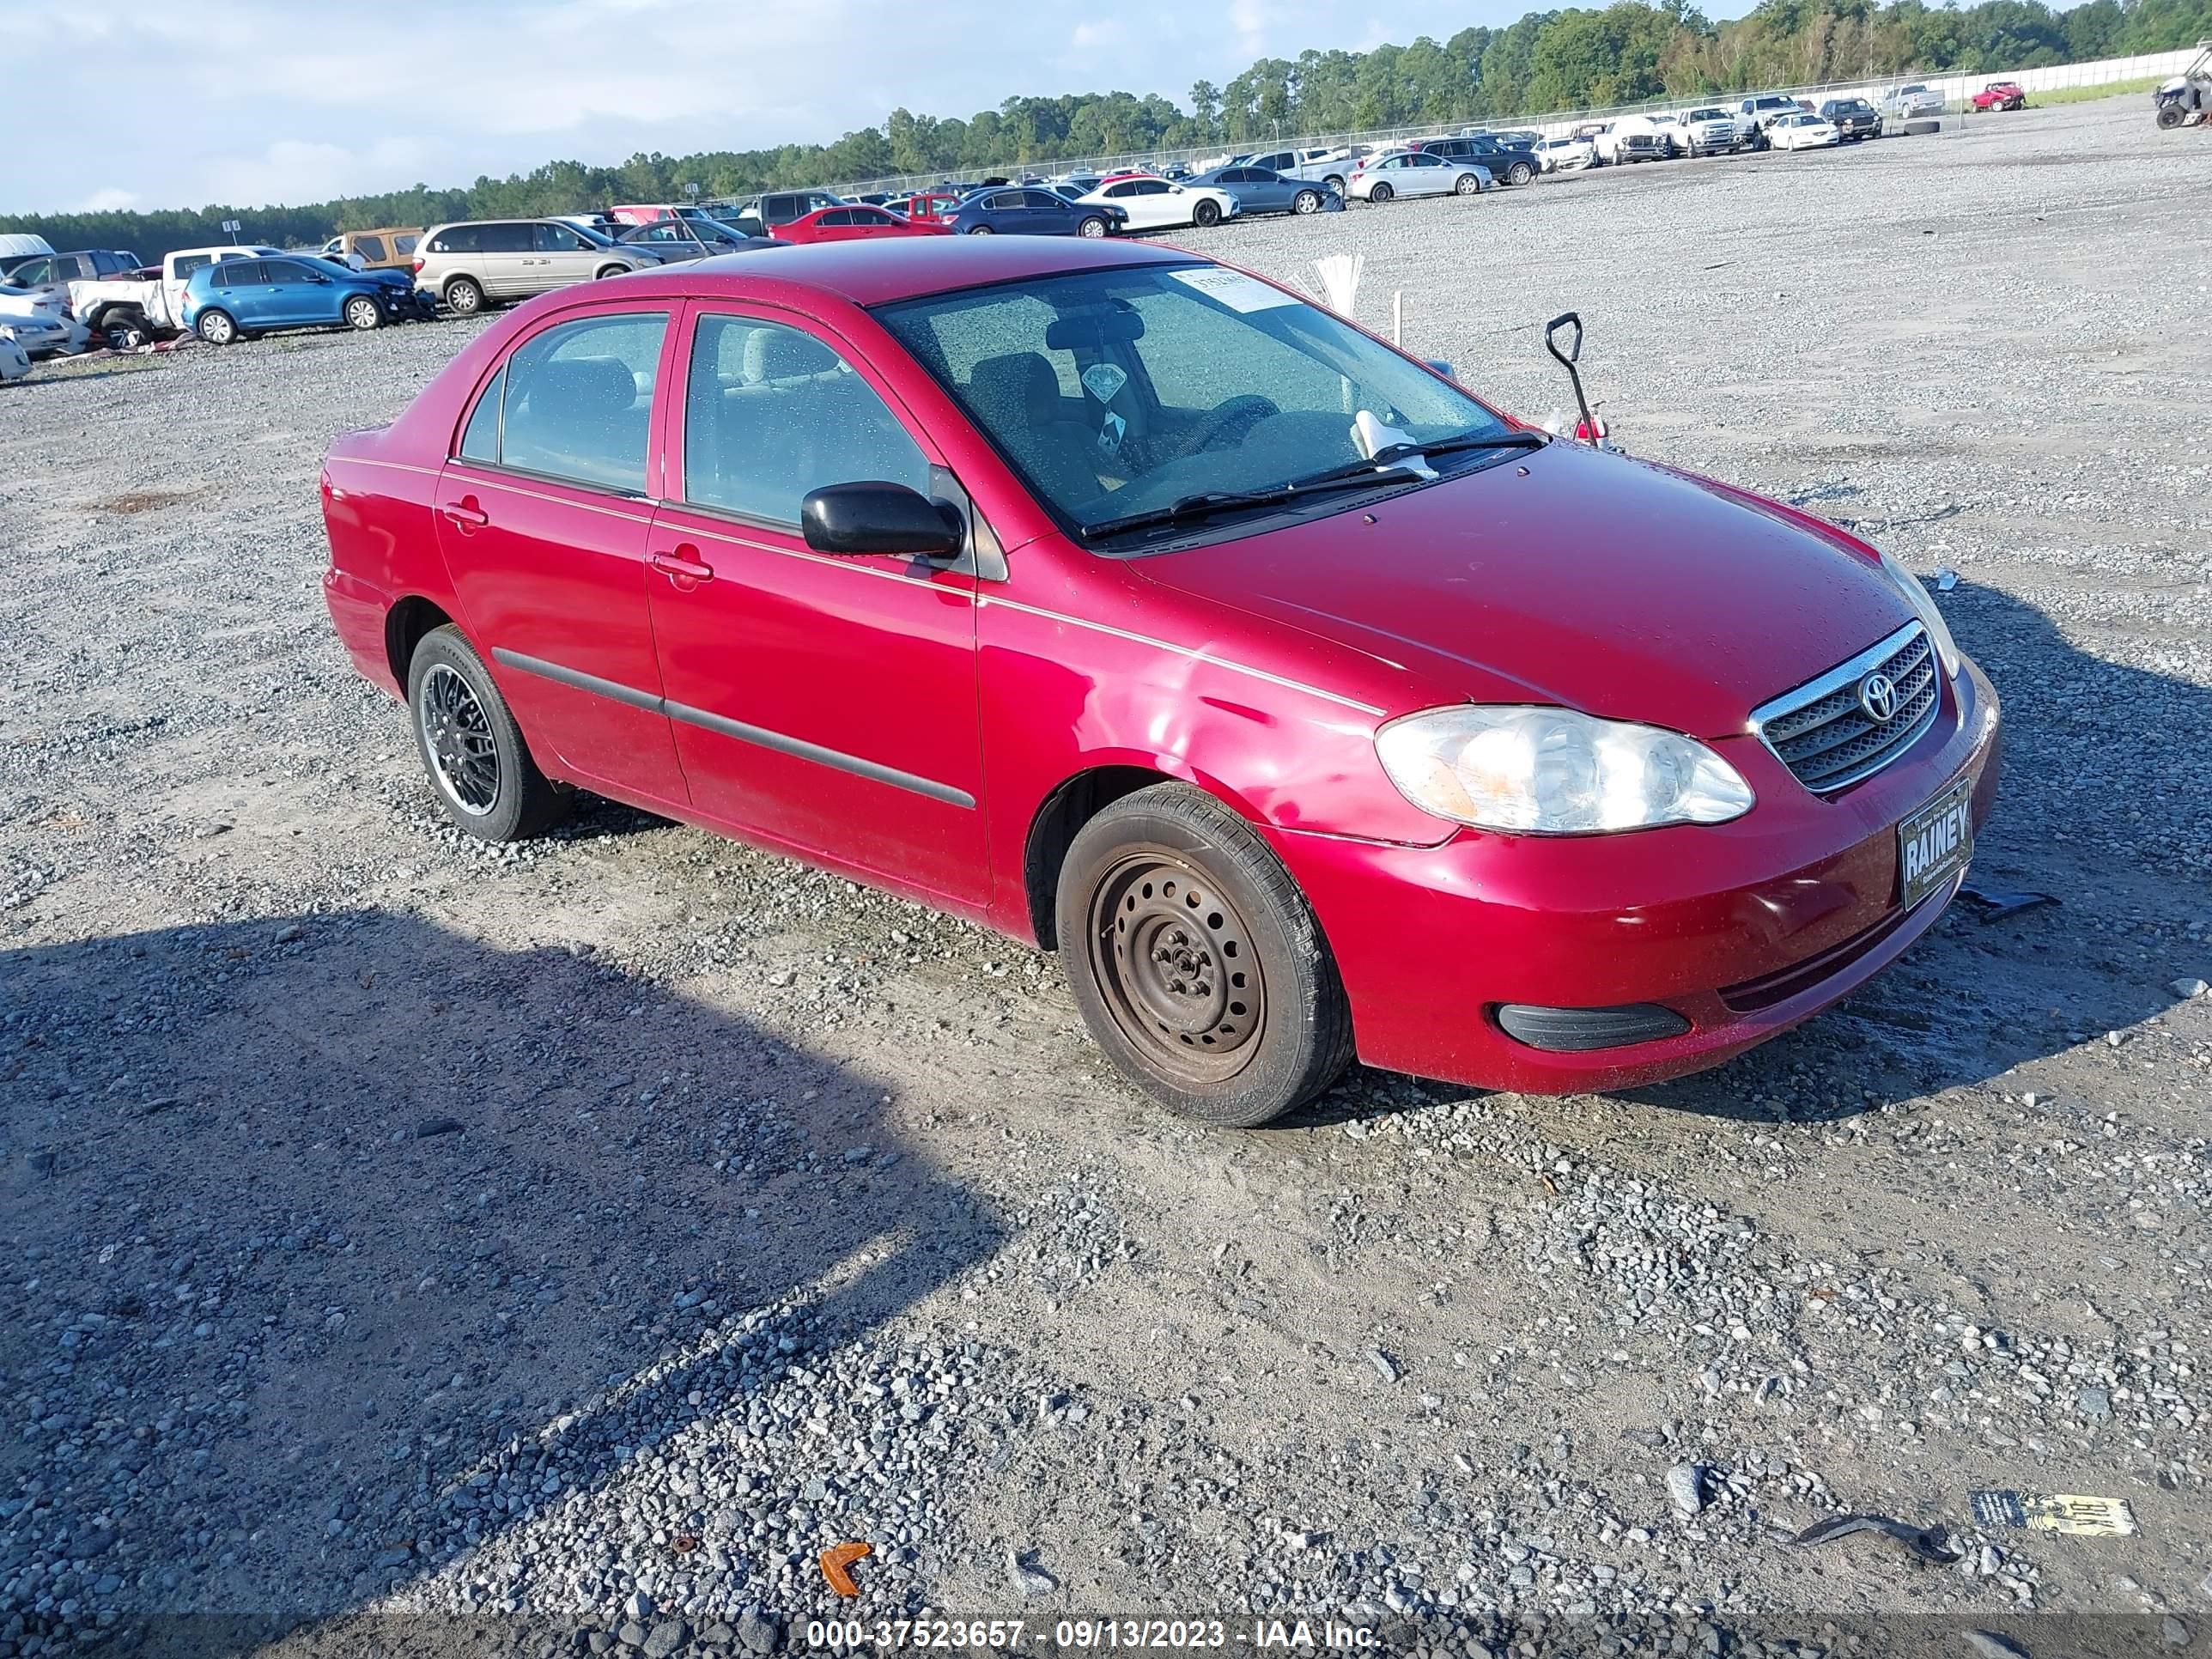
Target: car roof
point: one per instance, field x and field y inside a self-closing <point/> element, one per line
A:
<point x="874" y="273"/>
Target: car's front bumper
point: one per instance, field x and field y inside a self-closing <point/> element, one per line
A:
<point x="1742" y="930"/>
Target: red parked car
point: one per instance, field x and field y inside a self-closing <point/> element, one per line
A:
<point x="1044" y="581"/>
<point x="2001" y="94"/>
<point x="853" y="222"/>
<point x="934" y="206"/>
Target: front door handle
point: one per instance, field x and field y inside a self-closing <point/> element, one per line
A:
<point x="682" y="566"/>
<point x="465" y="514"/>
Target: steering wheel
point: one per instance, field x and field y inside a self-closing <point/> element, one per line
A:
<point x="1238" y="414"/>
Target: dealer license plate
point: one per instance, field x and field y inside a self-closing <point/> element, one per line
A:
<point x="1934" y="844"/>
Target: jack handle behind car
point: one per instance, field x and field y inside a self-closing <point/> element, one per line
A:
<point x="1589" y="430"/>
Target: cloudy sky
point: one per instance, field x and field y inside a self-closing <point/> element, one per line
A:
<point x="255" y="102"/>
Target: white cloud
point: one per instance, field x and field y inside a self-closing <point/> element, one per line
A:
<point x="1248" y="19"/>
<point x="110" y="200"/>
<point x="262" y="112"/>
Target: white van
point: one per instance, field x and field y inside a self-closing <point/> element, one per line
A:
<point x="17" y="248"/>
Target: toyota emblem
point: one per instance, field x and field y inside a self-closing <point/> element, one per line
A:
<point x="1878" y="696"/>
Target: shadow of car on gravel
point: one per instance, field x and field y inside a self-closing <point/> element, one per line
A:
<point x="345" y="1242"/>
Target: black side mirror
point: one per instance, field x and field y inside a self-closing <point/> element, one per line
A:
<point x="876" y="517"/>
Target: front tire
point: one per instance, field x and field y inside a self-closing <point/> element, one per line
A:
<point x="1093" y="226"/>
<point x="1467" y="185"/>
<point x="217" y="328"/>
<point x="480" y="768"/>
<point x="1196" y="962"/>
<point x="465" y="296"/>
<point x="1206" y="215"/>
<point x="1306" y="201"/>
<point x="1379" y="194"/>
<point x="1519" y="173"/>
<point x="2170" y="117"/>
<point x="363" y="313"/>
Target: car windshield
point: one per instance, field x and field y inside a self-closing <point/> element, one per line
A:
<point x="597" y="238"/>
<point x="1127" y="391"/>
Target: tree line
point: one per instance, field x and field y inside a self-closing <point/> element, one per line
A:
<point x="1626" y="53"/>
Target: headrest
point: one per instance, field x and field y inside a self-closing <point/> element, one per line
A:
<point x="1015" y="389"/>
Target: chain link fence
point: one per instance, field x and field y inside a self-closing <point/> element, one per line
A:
<point x="1953" y="88"/>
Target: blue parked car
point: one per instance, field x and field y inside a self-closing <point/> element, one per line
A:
<point x="232" y="298"/>
<point x="1033" y="210"/>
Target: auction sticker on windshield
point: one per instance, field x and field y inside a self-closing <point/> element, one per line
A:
<point x="1233" y="288"/>
<point x="1934" y="843"/>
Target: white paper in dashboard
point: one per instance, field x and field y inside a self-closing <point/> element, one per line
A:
<point x="1234" y="289"/>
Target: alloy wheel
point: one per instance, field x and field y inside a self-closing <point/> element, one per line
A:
<point x="458" y="737"/>
<point x="1176" y="963"/>
<point x="361" y="312"/>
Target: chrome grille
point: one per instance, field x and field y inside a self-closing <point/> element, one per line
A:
<point x="1828" y="739"/>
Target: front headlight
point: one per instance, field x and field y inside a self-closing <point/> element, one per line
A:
<point x="1552" y="772"/>
<point x="1924" y="606"/>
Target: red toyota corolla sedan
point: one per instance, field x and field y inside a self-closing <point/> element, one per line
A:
<point x="854" y="223"/>
<point x="1131" y="604"/>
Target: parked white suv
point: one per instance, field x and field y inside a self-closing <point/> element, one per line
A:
<point x="1633" y="138"/>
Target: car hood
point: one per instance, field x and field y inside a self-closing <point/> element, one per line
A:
<point x="1565" y="575"/>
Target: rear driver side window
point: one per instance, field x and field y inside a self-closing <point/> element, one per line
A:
<point x="576" y="403"/>
<point x="771" y="413"/>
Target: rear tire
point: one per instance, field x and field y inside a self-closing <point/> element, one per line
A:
<point x="217" y="328"/>
<point x="125" y="332"/>
<point x="363" y="313"/>
<point x="463" y="296"/>
<point x="1379" y="194"/>
<point x="1206" y="215"/>
<point x="1196" y="962"/>
<point x="979" y="230"/>
<point x="479" y="768"/>
<point x="1335" y="182"/>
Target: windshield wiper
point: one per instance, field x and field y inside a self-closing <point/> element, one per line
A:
<point x="1191" y="508"/>
<point x="1389" y="454"/>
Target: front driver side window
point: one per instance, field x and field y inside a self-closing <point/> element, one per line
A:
<point x="771" y="413"/>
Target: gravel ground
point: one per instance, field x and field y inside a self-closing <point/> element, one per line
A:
<point x="419" y="1246"/>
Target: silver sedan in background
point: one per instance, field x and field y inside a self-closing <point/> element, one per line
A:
<point x="1414" y="172"/>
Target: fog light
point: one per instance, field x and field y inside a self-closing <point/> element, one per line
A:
<point x="1573" y="1030"/>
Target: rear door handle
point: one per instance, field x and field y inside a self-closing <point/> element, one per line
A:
<point x="682" y="566"/>
<point x="466" y="513"/>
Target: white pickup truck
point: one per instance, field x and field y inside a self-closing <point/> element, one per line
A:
<point x="1316" y="166"/>
<point x="128" y="311"/>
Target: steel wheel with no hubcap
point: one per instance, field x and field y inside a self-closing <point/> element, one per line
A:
<point x="1176" y="963"/>
<point x="458" y="738"/>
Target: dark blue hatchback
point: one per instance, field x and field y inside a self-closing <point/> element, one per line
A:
<point x="1033" y="210"/>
